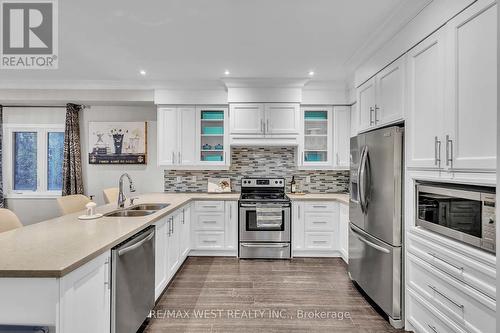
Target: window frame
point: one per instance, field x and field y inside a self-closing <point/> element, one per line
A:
<point x="42" y="160"/>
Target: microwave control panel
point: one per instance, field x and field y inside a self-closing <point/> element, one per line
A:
<point x="488" y="222"/>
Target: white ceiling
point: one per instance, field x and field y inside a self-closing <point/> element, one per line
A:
<point x="198" y="39"/>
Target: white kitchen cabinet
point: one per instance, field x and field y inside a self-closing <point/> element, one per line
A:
<point x="185" y="232"/>
<point x="193" y="138"/>
<point x="316" y="143"/>
<point x="161" y="260"/>
<point x="365" y="96"/>
<point x="390" y="91"/>
<point x="341" y="131"/>
<point x="470" y="131"/>
<point x="231" y="226"/>
<point x="173" y="243"/>
<point x="315" y="229"/>
<point x="176" y="138"/>
<point x="212" y="136"/>
<point x="354" y="119"/>
<point x="269" y="120"/>
<point x="381" y="99"/>
<point x="282" y="118"/>
<point x="426" y="102"/>
<point x="247" y="118"/>
<point x="344" y="231"/>
<point x="214" y="228"/>
<point x="85" y="297"/>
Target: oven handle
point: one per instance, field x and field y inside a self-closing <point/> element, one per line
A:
<point x="265" y="245"/>
<point x="254" y="206"/>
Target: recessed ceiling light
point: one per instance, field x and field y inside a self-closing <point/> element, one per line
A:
<point x="227" y="72"/>
<point x="142" y="72"/>
<point x="311" y="73"/>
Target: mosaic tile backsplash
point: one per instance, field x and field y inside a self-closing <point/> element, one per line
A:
<point x="260" y="162"/>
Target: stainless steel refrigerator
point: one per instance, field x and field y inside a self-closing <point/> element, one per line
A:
<point x="375" y="233"/>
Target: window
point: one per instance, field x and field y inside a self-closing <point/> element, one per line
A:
<point x="33" y="159"/>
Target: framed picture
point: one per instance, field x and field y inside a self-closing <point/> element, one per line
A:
<point x="117" y="142"/>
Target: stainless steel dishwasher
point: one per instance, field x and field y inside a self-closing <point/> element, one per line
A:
<point x="132" y="281"/>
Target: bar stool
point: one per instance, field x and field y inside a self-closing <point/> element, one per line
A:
<point x="72" y="203"/>
<point x="8" y="220"/>
<point x="110" y="195"/>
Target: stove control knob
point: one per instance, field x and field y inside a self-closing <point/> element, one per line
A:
<point x="276" y="182"/>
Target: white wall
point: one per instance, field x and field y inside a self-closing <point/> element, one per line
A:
<point x="147" y="178"/>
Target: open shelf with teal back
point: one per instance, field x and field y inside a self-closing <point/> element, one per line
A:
<point x="212" y="136"/>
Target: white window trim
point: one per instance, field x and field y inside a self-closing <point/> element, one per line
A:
<point x="8" y="160"/>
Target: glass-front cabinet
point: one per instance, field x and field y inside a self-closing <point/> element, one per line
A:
<point x="316" y="144"/>
<point x="213" y="138"/>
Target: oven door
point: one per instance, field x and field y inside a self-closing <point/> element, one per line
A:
<point x="450" y="212"/>
<point x="250" y="231"/>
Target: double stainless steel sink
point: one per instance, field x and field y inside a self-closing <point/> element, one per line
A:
<point x="137" y="210"/>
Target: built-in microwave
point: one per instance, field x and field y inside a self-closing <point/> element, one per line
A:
<point x="462" y="212"/>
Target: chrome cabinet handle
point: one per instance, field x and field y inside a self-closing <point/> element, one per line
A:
<point x="460" y="268"/>
<point x="338" y="160"/>
<point x="262" y="126"/>
<point x="319" y="242"/>
<point x="230" y="212"/>
<point x="210" y="222"/>
<point x="319" y="222"/>
<point x="458" y="305"/>
<point x="319" y="206"/>
<point x="108" y="273"/>
<point x="437" y="151"/>
<point x="267" y="125"/>
<point x="179" y="159"/>
<point x="433" y="328"/>
<point x="209" y="241"/>
<point x="375" y="113"/>
<point x="371" y="115"/>
<point x="173" y="158"/>
<point x="449" y="151"/>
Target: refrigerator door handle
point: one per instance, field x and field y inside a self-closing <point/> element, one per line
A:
<point x="362" y="178"/>
<point x="359" y="181"/>
<point x="371" y="244"/>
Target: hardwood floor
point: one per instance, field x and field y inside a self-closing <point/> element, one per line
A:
<point x="230" y="295"/>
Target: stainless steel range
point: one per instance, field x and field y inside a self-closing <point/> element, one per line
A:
<point x="264" y="219"/>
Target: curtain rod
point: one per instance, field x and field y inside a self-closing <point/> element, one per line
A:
<point x="40" y="106"/>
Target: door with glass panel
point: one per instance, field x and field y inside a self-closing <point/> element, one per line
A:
<point x="317" y="140"/>
<point x="213" y="135"/>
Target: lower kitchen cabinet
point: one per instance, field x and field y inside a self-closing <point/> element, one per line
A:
<point x="85" y="297"/>
<point x="315" y="229"/>
<point x="161" y="276"/>
<point x="344" y="231"/>
<point x="451" y="287"/>
<point x="214" y="228"/>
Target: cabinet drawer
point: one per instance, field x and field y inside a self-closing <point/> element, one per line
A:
<point x="464" y="305"/>
<point x="425" y="318"/>
<point x="209" y="240"/>
<point x="318" y="207"/>
<point x="319" y="221"/>
<point x="208" y="221"/>
<point x="448" y="259"/>
<point x="319" y="240"/>
<point x="209" y="206"/>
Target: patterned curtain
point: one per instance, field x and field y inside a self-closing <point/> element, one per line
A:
<point x="72" y="163"/>
<point x="2" y="201"/>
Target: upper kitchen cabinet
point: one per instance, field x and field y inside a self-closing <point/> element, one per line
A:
<point x="324" y="143"/>
<point x="425" y="102"/>
<point x="247" y="119"/>
<point x="213" y="137"/>
<point x="381" y="99"/>
<point x="453" y="103"/>
<point x="193" y="138"/>
<point x="252" y="121"/>
<point x="470" y="131"/>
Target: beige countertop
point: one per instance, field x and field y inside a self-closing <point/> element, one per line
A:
<point x="56" y="247"/>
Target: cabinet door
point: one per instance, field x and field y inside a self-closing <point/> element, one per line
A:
<point x="173" y="244"/>
<point x="341" y="130"/>
<point x="298" y="226"/>
<point x="344" y="231"/>
<point x="316" y="145"/>
<point x="425" y="102"/>
<point x="186" y="153"/>
<point x="185" y="243"/>
<point x="231" y="226"/>
<point x="160" y="257"/>
<point x="168" y="136"/>
<point x="85" y="297"/>
<point x="390" y="93"/>
<point x="471" y="122"/>
<point x="354" y="119"/>
<point x="366" y="104"/>
<point x="282" y="118"/>
<point x="213" y="139"/>
<point x="246" y="119"/>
